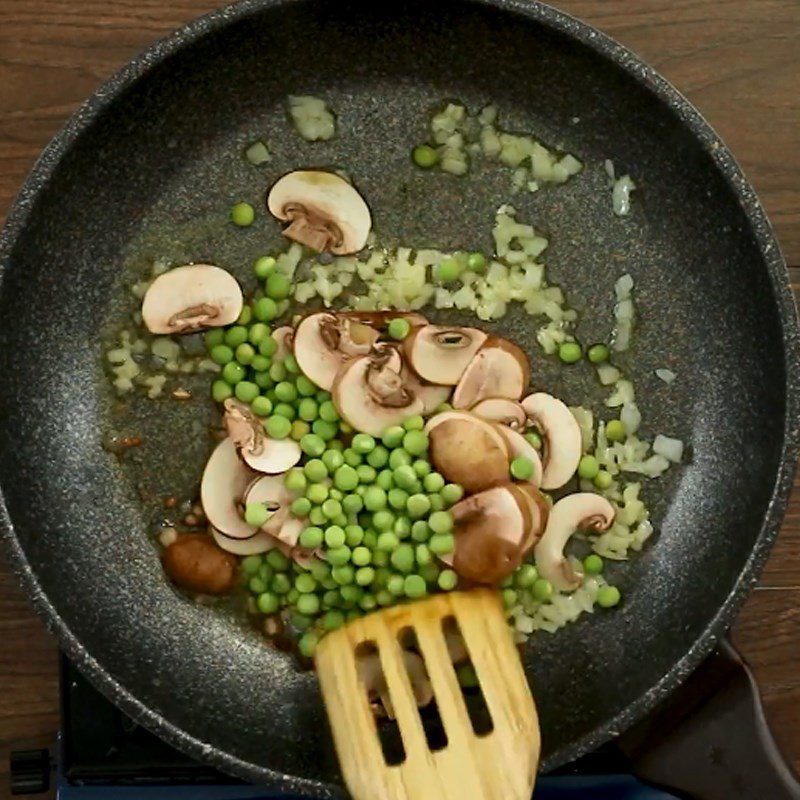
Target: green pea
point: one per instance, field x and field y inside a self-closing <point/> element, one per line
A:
<point x="333" y="460"/>
<point x="268" y="603"/>
<point x="534" y="439"/>
<point x="286" y="392"/>
<point x="338" y="556"/>
<point x="328" y="412"/>
<point x="424" y="156"/>
<point x="433" y="482"/>
<point x="256" y="585"/>
<point x="365" y="576"/>
<point x="221" y="391"/>
<point x="593" y="564"/>
<point x="603" y="479"/>
<point x="334" y="536"/>
<point x="387" y="541"/>
<point x="476" y="262"/>
<point x="430" y="572"/>
<point x="383" y="520"/>
<point x="397" y="499"/>
<point x="451" y="493"/>
<point x="299" y="429"/>
<point x="235" y="335"/>
<point x="317" y="493"/>
<point x="418" y="505"/>
<point x="423" y="554"/>
<point x="256" y="514"/>
<point x="265" y="309"/>
<point x="522" y="468"/>
<point x="257" y="333"/>
<point x="393" y="437"/>
<point x="597" y="353"/>
<point x="260" y="363"/>
<point x="277" y="560"/>
<point x="542" y="589"/>
<point x="316" y="517"/>
<point x="378" y="457"/>
<point x="374" y="498"/>
<point x="213" y="337"/>
<point x="402" y="558"/>
<point x="415" y="443"/>
<point x="263" y="266"/>
<point x="363" y="443"/>
<point x="315" y="470"/>
<point x="385" y="480"/>
<point x="233" y="373"/>
<point x="332" y="620"/>
<point x="307" y="409"/>
<point x="301" y="507"/>
<point x="442" y="543"/>
<point x="247" y="391"/>
<point x="261" y="406"/>
<point x="510" y="598"/>
<point x="352" y="504"/>
<point x="284" y="410"/>
<point x="588" y="468"/>
<point x="295" y="480"/>
<point x="243" y="215"/>
<point x="277" y="286"/>
<point x="405" y="477"/>
<point x="263" y="381"/>
<point x="281" y="584"/>
<point x="361" y="556"/>
<point x="420" y="531"/>
<point x="448" y="271"/>
<point x="380" y="558"/>
<point x="441" y="521"/>
<point x="395" y="585"/>
<point x="414" y="586"/>
<point x="422" y="468"/>
<point x="448" y="580"/>
<point x="398" y="328"/>
<point x="307" y="645"/>
<point x="292" y="367"/>
<point x="366" y="474"/>
<point x="332" y="598"/>
<point x="331" y="508"/>
<point x="277" y="372"/>
<point x="221" y="354"/>
<point x="267" y="346"/>
<point x="351" y="458"/>
<point x="251" y="564"/>
<point x="525" y="576"/>
<point x="278" y="427"/>
<point x="326" y="430"/>
<point x="608" y="596"/>
<point x="615" y="431"/>
<point x="305" y="583"/>
<point x="312" y="445"/>
<point x="343" y="574"/>
<point x="569" y="352"/>
<point x="305" y="387"/>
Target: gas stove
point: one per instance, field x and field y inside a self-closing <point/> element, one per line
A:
<point x="101" y="754"/>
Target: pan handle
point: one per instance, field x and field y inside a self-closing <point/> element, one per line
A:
<point x="711" y="741"/>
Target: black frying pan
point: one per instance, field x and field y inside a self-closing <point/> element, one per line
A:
<point x="150" y="166"/>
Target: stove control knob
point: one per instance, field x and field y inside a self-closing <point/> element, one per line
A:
<point x="30" y="771"/>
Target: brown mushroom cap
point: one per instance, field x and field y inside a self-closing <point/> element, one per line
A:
<point x="499" y="369"/>
<point x="379" y="320"/>
<point x="370" y="395"/>
<point x="562" y="438"/>
<point x="195" y="563"/>
<point x="323" y="210"/>
<point x="324" y="342"/>
<point x="191" y="298"/>
<point x="440" y="354"/>
<point x="501" y="410"/>
<point x="491" y="531"/>
<point x="225" y="480"/>
<point x="580" y="511"/>
<point x="468" y="451"/>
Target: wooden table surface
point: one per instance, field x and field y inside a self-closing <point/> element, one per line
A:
<point x="738" y="61"/>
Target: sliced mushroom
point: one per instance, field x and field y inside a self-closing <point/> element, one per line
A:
<point x="195" y="563"/>
<point x="379" y="320"/>
<point x="440" y="354"/>
<point x="284" y="336"/>
<point x="499" y="369"/>
<point x="539" y="510"/>
<point x="191" y="298"/>
<point x="580" y="511"/>
<point x="324" y="342"/>
<point x="491" y="531"/>
<point x="259" y="452"/>
<point x="272" y="492"/>
<point x="501" y="410"/>
<point x="520" y="447"/>
<point x="323" y="210"/>
<point x="370" y="394"/>
<point x="468" y="451"/>
<point x="225" y="480"/>
<point x="370" y="671"/>
<point x="261" y="542"/>
<point x="432" y="395"/>
<point x="561" y="434"/>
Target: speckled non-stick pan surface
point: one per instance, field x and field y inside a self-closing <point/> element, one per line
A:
<point x="150" y="166"/>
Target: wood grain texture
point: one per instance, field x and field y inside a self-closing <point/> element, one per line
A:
<point x="737" y="60"/>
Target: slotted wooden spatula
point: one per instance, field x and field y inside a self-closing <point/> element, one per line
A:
<point x="500" y="765"/>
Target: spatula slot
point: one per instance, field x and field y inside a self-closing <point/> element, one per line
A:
<point x="432" y="724"/>
<point x="468" y="680"/>
<point x="370" y="673"/>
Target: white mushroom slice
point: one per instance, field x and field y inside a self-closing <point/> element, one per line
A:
<point x="370" y="671"/>
<point x="284" y="336"/>
<point x="225" y="480"/>
<point x="561" y="434"/>
<point x="259" y="452"/>
<point x="289" y="532"/>
<point x="520" y="447"/>
<point x="276" y="456"/>
<point x="539" y="509"/>
<point x="440" y="354"/>
<point x="371" y="396"/>
<point x="324" y="342"/>
<point x="501" y="410"/>
<point x="500" y="369"/>
<point x="491" y="530"/>
<point x="432" y="395"/>
<point x="323" y="210"/>
<point x="260" y="542"/>
<point x="467" y="450"/>
<point x="191" y="298"/>
<point x="272" y="492"/>
<point x="581" y="511"/>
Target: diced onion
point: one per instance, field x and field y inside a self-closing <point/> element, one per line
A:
<point x="666" y="375"/>
<point x="669" y="448"/>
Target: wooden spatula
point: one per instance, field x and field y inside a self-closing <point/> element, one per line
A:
<point x="500" y="765"/>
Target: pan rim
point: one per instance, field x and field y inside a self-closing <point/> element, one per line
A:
<point x="763" y="235"/>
